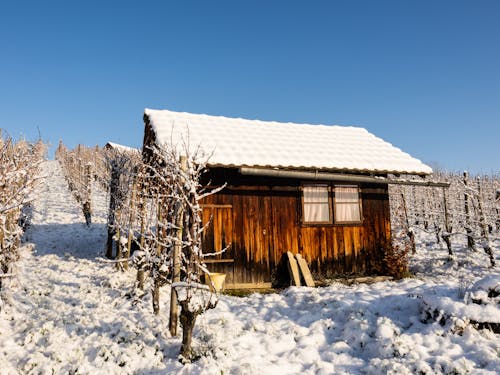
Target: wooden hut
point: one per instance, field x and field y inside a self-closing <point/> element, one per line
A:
<point x="317" y="190"/>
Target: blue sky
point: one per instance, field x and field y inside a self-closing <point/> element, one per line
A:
<point x="423" y="75"/>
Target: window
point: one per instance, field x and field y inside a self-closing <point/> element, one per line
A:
<point x="316" y="204"/>
<point x="347" y="204"/>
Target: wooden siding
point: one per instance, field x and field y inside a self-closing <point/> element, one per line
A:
<point x="263" y="221"/>
<point x="261" y="218"/>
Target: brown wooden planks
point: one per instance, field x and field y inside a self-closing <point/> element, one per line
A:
<point x="304" y="271"/>
<point x="266" y="222"/>
<point x="293" y="269"/>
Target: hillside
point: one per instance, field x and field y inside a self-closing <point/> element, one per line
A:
<point x="69" y="312"/>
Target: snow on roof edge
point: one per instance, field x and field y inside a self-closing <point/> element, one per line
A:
<point x="372" y="155"/>
<point x="120" y="147"/>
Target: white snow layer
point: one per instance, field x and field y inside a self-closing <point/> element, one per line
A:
<point x="238" y="142"/>
<point x="68" y="313"/>
<point x="121" y="148"/>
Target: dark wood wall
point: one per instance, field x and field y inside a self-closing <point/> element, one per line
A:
<point x="258" y="219"/>
<point x="261" y="218"/>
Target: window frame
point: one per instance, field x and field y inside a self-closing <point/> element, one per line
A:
<point x="360" y="205"/>
<point x="330" y="210"/>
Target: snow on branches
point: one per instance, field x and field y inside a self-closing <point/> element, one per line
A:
<point x="467" y="210"/>
<point x="156" y="222"/>
<point x="19" y="163"/>
<point x="175" y="180"/>
<point x="81" y="167"/>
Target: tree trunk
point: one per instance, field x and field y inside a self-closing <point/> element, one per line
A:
<point x="156" y="297"/>
<point x="140" y="279"/>
<point x="188" y="320"/>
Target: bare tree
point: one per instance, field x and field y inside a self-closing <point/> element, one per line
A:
<point x="170" y="235"/>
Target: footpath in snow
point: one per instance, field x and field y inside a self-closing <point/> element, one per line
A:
<point x="69" y="313"/>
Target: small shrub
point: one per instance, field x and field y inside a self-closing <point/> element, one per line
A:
<point x="395" y="260"/>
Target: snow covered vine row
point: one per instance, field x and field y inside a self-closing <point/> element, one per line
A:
<point x="19" y="163"/>
<point x="81" y="166"/>
<point x="468" y="211"/>
<point x="155" y="213"/>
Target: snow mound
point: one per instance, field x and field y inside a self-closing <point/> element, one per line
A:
<point x="479" y="304"/>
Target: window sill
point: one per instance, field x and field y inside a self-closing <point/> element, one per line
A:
<point x="316" y="225"/>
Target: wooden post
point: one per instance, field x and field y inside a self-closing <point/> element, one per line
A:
<point x="131" y="219"/>
<point x="176" y="276"/>
<point x="497" y="208"/>
<point x="436" y="216"/>
<point x="87" y="205"/>
<point x="142" y="213"/>
<point x="118" y="244"/>
<point x="446" y="237"/>
<point x="484" y="226"/>
<point x="113" y="191"/>
<point x="471" y="243"/>
<point x="156" y="283"/>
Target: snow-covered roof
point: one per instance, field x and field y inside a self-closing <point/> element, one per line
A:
<point x="236" y="142"/>
<point x="121" y="148"/>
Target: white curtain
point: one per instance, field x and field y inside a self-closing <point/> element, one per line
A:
<point x="347" y="204"/>
<point x="316" y="207"/>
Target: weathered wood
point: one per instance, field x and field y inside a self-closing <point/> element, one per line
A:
<point x="293" y="269"/>
<point x="247" y="286"/>
<point x="265" y="223"/>
<point x="362" y="280"/>
<point x="304" y="270"/>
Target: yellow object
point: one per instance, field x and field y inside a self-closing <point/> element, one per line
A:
<point x="215" y="280"/>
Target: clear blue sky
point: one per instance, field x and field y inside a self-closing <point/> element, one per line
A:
<point x="423" y="75"/>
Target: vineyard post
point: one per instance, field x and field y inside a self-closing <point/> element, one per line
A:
<point x="87" y="205"/>
<point x="113" y="192"/>
<point x="131" y="216"/>
<point x="497" y="208"/>
<point x="484" y="226"/>
<point x="446" y="236"/>
<point x="437" y="226"/>
<point x="118" y="241"/>
<point x="471" y="244"/>
<point x="159" y="249"/>
<point x="176" y="275"/>
<point x="142" y="213"/>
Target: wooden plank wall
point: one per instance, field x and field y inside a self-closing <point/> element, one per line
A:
<point x="261" y="219"/>
<point x="263" y="222"/>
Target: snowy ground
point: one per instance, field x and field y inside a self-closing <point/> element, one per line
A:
<point x="68" y="313"/>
